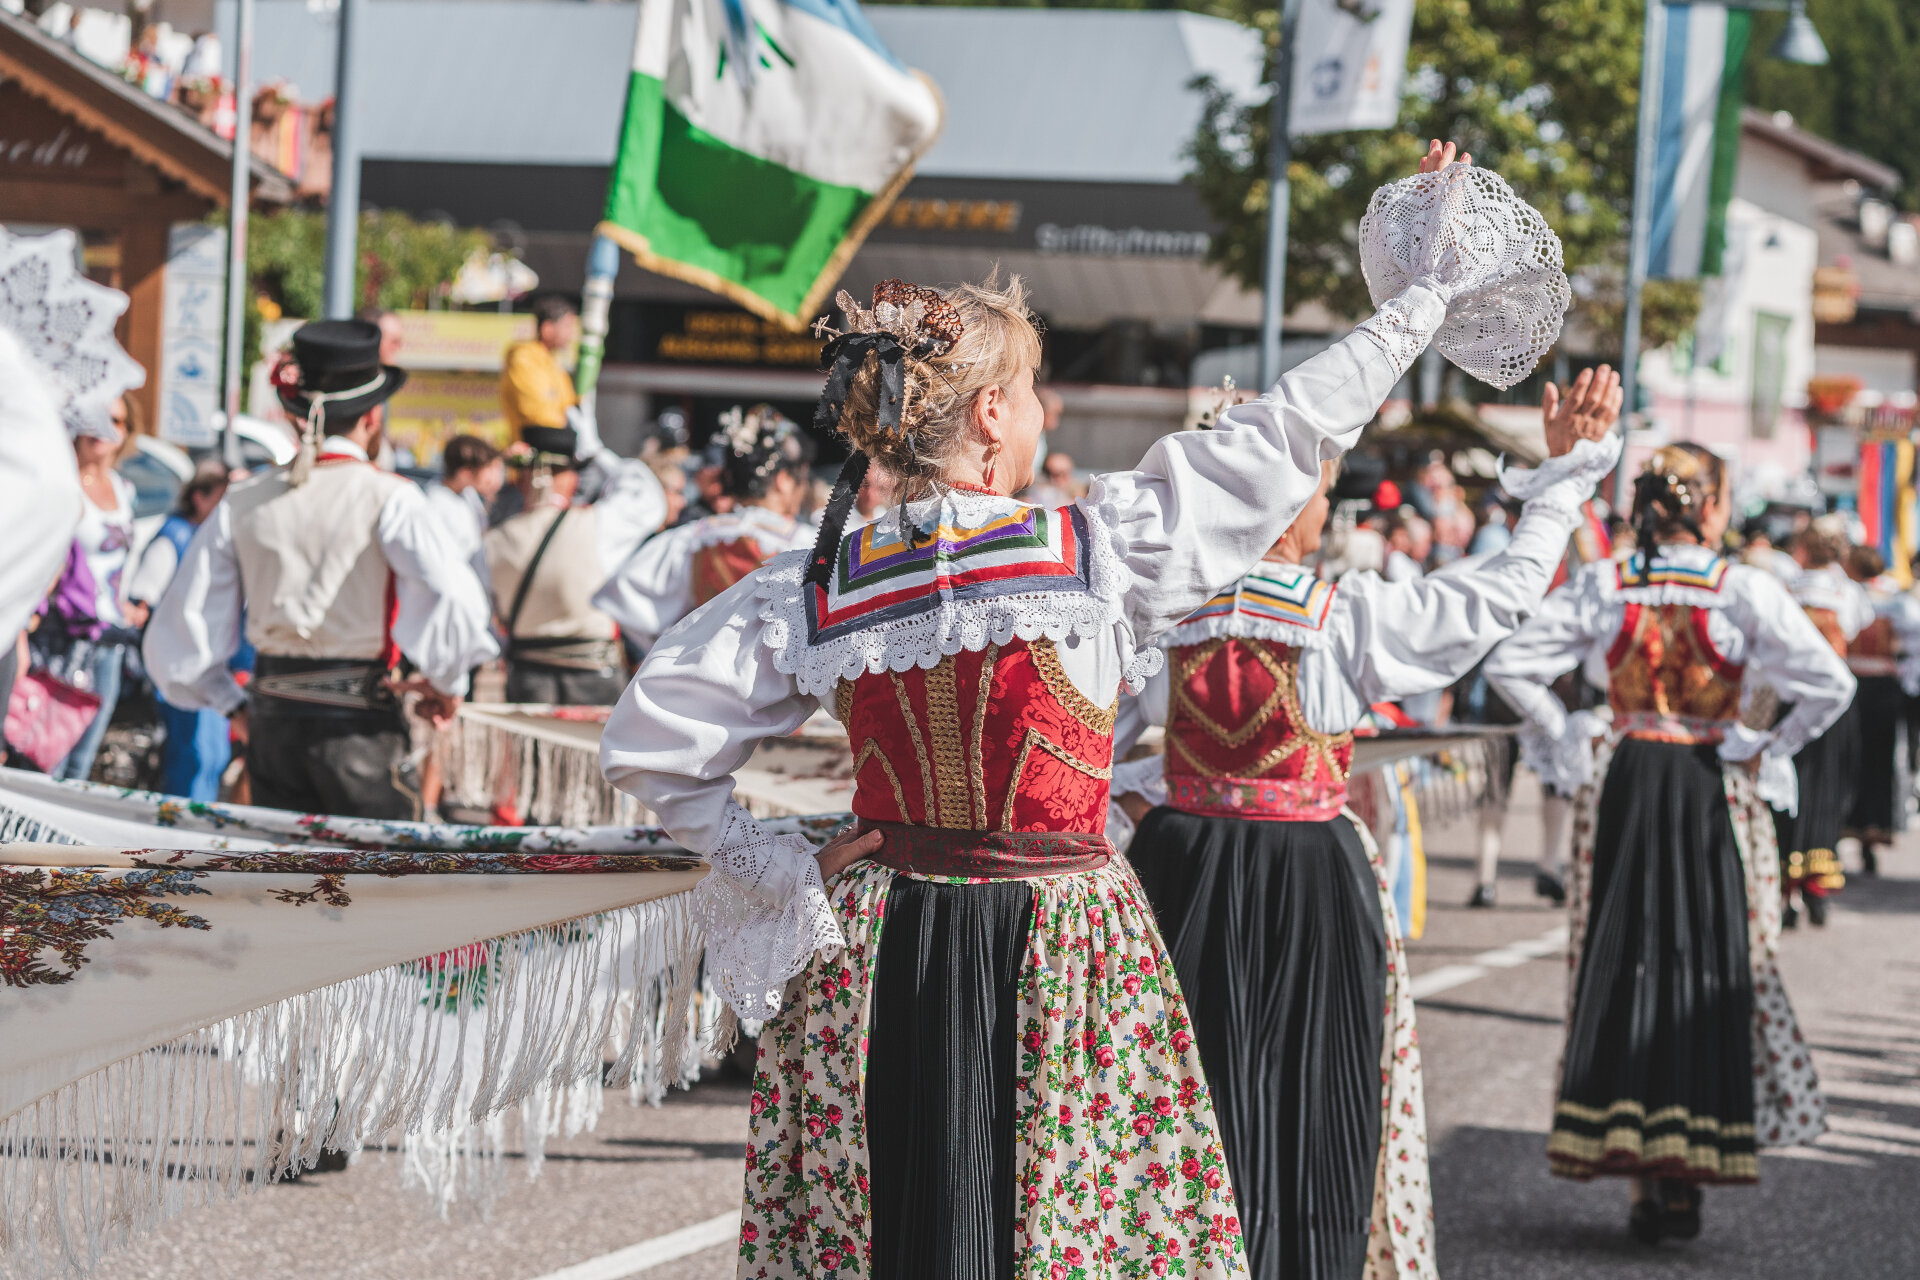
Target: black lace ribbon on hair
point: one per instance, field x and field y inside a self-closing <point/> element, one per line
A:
<point x="843" y="357"/>
<point x="833" y="521"/>
<point x="1657" y="498"/>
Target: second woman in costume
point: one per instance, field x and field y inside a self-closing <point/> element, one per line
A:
<point x="1275" y="905"/>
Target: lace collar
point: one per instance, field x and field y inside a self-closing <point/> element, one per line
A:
<point x="1284" y="603"/>
<point x="979" y="569"/>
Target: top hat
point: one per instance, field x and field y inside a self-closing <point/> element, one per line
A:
<point x="336" y="368"/>
<point x="553" y="447"/>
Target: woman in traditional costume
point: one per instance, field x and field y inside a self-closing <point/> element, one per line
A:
<point x="765" y="471"/>
<point x="1885" y="661"/>
<point x="1283" y="933"/>
<point x="1682" y="1051"/>
<point x="985" y="1068"/>
<point x="1828" y="768"/>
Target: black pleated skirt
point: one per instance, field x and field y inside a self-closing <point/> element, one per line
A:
<point x="940" y="1079"/>
<point x="1879" y="797"/>
<point x="1277" y="939"/>
<point x="1827" y="769"/>
<point x="1659" y="1063"/>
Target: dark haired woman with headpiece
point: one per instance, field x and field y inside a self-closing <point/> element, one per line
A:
<point x="765" y="465"/>
<point x="1276" y="903"/>
<point x="1827" y="768"/>
<point x="978" y="1064"/>
<point x="1682" y="1053"/>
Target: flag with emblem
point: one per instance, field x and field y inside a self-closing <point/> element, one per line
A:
<point x="763" y="140"/>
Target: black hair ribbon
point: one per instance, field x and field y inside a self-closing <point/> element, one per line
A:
<point x="843" y="358"/>
<point x="833" y="521"/>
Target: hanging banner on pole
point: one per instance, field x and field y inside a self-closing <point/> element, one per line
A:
<point x="1350" y="57"/>
<point x="1697" y="139"/>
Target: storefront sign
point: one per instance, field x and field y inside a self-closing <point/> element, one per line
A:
<point x="728" y="337"/>
<point x="193" y="334"/>
<point x="1120" y="242"/>
<point x="915" y="214"/>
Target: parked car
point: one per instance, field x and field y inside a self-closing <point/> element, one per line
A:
<point x="157" y="469"/>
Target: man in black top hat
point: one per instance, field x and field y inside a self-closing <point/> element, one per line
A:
<point x="339" y="572"/>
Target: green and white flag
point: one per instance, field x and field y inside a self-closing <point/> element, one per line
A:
<point x="763" y="140"/>
<point x="1697" y="142"/>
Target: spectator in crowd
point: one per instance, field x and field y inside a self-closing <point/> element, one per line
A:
<point x="1495" y="531"/>
<point x="88" y="625"/>
<point x="876" y="493"/>
<point x="391" y="337"/>
<point x="199" y="743"/>
<point x="471" y="475"/>
<point x="1409" y="542"/>
<point x="671" y="471"/>
<point x="1057" y="486"/>
<point x="534" y="390"/>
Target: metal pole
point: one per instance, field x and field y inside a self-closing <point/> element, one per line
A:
<point x="1653" y="45"/>
<point x="1279" y="197"/>
<point x="596" y="297"/>
<point x="343" y="202"/>
<point x="239" y="196"/>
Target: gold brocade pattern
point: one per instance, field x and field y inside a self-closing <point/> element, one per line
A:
<point x="1324" y="748"/>
<point x="919" y="747"/>
<point x="949" y="751"/>
<point x="1027" y="744"/>
<point x="1663" y="665"/>
<point x="1046" y="664"/>
<point x="843" y="700"/>
<point x="979" y="778"/>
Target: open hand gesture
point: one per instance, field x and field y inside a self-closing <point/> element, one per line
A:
<point x="1586" y="411"/>
<point x="1439" y="157"/>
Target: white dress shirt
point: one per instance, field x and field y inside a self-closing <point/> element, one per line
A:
<point x="464" y="515"/>
<point x="442" y="624"/>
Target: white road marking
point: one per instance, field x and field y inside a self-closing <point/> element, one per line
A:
<point x="1514" y="954"/>
<point x="648" y="1254"/>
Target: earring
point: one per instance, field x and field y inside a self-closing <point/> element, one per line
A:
<point x="993" y="457"/>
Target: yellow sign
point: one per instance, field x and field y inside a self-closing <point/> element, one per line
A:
<point x="472" y="341"/>
<point x="436" y="405"/>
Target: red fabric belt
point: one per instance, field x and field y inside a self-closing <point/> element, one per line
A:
<point x="1265" y="799"/>
<point x="998" y="855"/>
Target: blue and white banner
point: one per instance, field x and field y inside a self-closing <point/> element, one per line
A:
<point x="1349" y="59"/>
<point x="1697" y="140"/>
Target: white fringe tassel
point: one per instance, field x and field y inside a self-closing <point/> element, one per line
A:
<point x="437" y="1056"/>
<point x="550" y="783"/>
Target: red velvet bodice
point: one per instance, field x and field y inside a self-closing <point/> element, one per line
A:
<point x="719" y="566"/>
<point x="994" y="740"/>
<point x="1665" y="679"/>
<point x="1238" y="744"/>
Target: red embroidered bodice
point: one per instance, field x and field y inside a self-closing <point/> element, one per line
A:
<point x="1665" y="679"/>
<point x="1238" y="744"/>
<point x="1876" y="650"/>
<point x="994" y="740"/>
<point x="719" y="566"/>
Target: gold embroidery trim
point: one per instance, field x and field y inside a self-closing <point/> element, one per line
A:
<point x="949" y="749"/>
<point x="1285" y="695"/>
<point x="843" y="701"/>
<point x="1254" y="723"/>
<point x="1027" y="744"/>
<point x="919" y="747"/>
<point x="872" y="751"/>
<point x="1046" y="663"/>
<point x="980" y="736"/>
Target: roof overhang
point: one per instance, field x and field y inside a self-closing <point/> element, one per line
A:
<point x="155" y="133"/>
<point x="1828" y="160"/>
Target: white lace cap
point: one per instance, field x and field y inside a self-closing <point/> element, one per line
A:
<point x="1463" y="232"/>
<point x="64" y="322"/>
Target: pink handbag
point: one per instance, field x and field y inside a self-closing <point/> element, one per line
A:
<point x="46" y="717"/>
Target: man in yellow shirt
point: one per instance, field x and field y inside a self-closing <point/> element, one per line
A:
<point x="534" y="390"/>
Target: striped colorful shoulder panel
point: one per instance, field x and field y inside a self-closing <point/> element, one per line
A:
<point x="1708" y="575"/>
<point x="1276" y="593"/>
<point x="879" y="577"/>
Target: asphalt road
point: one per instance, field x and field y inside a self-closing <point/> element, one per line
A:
<point x="1843" y="1207"/>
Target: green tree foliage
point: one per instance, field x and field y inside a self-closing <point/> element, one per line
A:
<point x="1544" y="91"/>
<point x="403" y="263"/>
<point x="1868" y="97"/>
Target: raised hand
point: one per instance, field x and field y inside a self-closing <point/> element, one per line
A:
<point x="1586" y="411"/>
<point x="1439" y="157"/>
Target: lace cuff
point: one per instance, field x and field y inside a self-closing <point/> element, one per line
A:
<point x="1405" y="324"/>
<point x="1463" y="233"/>
<point x="1563" y="483"/>
<point x="765" y="911"/>
<point x="1564" y="763"/>
<point x="1145" y="777"/>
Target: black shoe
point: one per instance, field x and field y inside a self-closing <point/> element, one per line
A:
<point x="332" y="1160"/>
<point x="1482" y="896"/>
<point x="1681" y="1219"/>
<point x="1817" y="911"/>
<point x="1647" y="1221"/>
<point x="1869" y="860"/>
<point x="1549" y="885"/>
<point x="1789" y="917"/>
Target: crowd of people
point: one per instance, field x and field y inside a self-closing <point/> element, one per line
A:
<point x="990" y="1046"/>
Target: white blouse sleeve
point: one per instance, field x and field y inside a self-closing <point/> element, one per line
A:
<point x="706" y="695"/>
<point x="1547" y="646"/>
<point x="443" y="622"/>
<point x="1204" y="506"/>
<point x="195" y="627"/>
<point x="158" y="563"/>
<point x="1398" y="639"/>
<point x="631" y="507"/>
<point x="1787" y="651"/>
<point x="42" y="484"/>
<point x="652" y="589"/>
